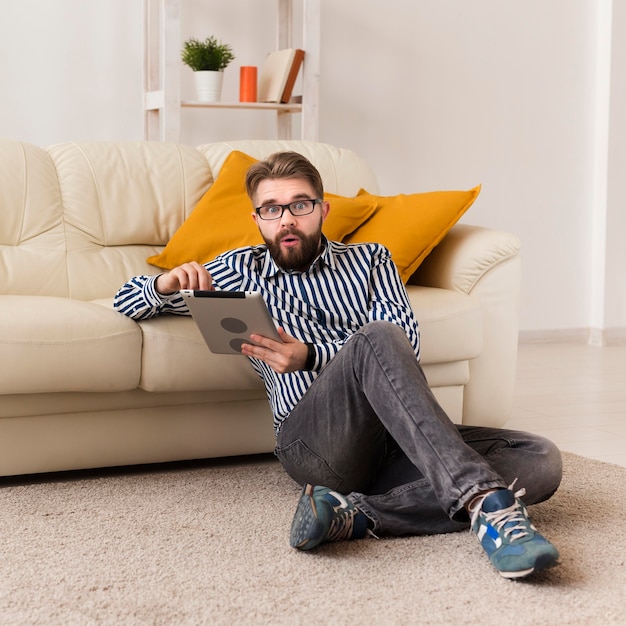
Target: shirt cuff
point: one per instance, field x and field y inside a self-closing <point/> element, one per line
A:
<point x="153" y="296"/>
<point x="311" y="357"/>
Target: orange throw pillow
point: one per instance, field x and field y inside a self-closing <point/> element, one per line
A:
<point x="222" y="219"/>
<point x="410" y="226"/>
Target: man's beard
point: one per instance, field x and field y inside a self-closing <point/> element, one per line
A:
<point x="298" y="259"/>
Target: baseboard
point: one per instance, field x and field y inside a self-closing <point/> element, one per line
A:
<point x="608" y="337"/>
<point x="591" y="336"/>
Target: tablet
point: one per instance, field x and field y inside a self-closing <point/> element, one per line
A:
<point x="226" y="319"/>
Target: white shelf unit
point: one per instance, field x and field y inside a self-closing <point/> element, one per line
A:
<point x="162" y="100"/>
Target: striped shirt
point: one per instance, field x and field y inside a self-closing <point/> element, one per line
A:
<point x="346" y="287"/>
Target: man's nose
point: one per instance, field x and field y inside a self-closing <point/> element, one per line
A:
<point x="287" y="217"/>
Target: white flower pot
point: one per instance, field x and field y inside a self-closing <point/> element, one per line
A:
<point x="209" y="85"/>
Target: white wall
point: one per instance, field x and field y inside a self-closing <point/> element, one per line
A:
<point x="70" y="69"/>
<point x="434" y="95"/>
<point x="615" y="252"/>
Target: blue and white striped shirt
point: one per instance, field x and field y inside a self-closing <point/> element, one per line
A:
<point x="346" y="287"/>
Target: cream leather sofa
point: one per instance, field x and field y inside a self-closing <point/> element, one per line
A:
<point x="83" y="386"/>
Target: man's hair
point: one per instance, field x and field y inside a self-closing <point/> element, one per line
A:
<point x="284" y="165"/>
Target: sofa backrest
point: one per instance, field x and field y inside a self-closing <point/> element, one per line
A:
<point x="79" y="219"/>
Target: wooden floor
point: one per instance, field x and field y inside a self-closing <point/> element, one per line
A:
<point x="574" y="394"/>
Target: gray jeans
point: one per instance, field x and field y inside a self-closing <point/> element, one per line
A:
<point x="370" y="428"/>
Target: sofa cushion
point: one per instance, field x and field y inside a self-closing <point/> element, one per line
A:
<point x="176" y="358"/>
<point x="410" y="226"/>
<point x="222" y="219"/>
<point x="51" y="344"/>
<point x="32" y="231"/>
<point x="451" y="324"/>
<point x="121" y="202"/>
<point x="342" y="171"/>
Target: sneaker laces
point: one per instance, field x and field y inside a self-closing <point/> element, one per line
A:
<point x="511" y="521"/>
<point x="503" y="519"/>
<point x="342" y="525"/>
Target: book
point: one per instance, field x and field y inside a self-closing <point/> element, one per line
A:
<point x="278" y="75"/>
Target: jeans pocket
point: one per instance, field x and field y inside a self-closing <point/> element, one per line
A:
<point x="304" y="466"/>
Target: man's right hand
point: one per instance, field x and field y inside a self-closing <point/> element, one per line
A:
<point x="187" y="276"/>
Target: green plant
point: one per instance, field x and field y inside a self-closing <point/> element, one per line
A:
<point x="209" y="54"/>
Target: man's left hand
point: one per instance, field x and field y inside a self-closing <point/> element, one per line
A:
<point x="289" y="355"/>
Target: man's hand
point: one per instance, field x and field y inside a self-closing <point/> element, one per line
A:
<point x="188" y="276"/>
<point x="288" y="356"/>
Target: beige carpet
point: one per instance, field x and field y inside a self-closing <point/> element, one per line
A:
<point x="208" y="544"/>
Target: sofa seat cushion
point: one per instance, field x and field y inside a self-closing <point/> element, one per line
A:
<point x="451" y="324"/>
<point x="176" y="358"/>
<point x="51" y="344"/>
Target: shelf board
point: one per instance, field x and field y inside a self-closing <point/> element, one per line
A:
<point x="290" y="107"/>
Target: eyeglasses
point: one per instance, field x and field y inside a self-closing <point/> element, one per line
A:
<point x="297" y="208"/>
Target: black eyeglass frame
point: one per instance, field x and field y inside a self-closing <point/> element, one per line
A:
<point x="285" y="207"/>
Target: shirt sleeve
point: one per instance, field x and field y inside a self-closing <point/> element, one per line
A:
<point x="389" y="300"/>
<point x="139" y="299"/>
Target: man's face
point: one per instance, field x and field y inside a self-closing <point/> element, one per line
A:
<point x="293" y="242"/>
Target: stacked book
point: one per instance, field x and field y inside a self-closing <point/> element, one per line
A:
<point x="278" y="75"/>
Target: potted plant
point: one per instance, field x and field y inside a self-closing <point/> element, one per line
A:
<point x="207" y="59"/>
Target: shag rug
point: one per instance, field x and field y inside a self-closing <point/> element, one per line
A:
<point x="207" y="543"/>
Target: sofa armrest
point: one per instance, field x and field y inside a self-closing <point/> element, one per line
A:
<point x="464" y="257"/>
<point x="485" y="264"/>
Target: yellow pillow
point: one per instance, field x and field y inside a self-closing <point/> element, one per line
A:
<point x="412" y="225"/>
<point x="222" y="219"/>
<point x="346" y="214"/>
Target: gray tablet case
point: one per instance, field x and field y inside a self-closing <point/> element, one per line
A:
<point x="226" y="319"/>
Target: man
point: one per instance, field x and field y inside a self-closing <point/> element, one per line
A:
<point x="355" y="420"/>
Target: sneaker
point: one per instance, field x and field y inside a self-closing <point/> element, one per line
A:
<point x="325" y="515"/>
<point x="513" y="545"/>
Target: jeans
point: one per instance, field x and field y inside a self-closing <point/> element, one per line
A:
<point x="370" y="428"/>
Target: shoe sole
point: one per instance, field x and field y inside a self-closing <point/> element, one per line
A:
<point x="307" y="532"/>
<point x="543" y="562"/>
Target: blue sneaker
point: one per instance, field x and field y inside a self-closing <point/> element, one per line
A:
<point x="324" y="515"/>
<point x="513" y="545"/>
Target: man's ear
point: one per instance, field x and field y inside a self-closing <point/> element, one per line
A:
<point x="325" y="209"/>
